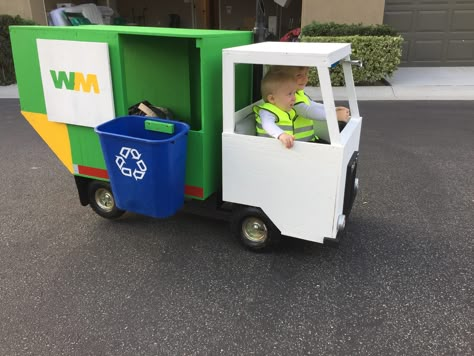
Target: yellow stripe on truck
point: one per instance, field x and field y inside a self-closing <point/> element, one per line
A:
<point x="55" y="135"/>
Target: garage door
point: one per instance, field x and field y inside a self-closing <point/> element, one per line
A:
<point x="436" y="32"/>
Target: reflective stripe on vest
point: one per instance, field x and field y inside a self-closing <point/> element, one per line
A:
<point x="302" y="98"/>
<point x="302" y="129"/>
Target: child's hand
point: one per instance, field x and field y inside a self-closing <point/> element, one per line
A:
<point x="342" y="113"/>
<point x="286" y="139"/>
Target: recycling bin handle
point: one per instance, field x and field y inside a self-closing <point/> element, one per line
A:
<point x="165" y="127"/>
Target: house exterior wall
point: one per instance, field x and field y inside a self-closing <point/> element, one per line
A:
<point x="18" y="7"/>
<point x="436" y="32"/>
<point x="38" y="14"/>
<point x="342" y="11"/>
<point x="27" y="9"/>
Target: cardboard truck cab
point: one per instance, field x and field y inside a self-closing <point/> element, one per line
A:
<point x="307" y="191"/>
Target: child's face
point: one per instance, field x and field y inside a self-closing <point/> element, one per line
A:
<point x="284" y="96"/>
<point x="302" y="78"/>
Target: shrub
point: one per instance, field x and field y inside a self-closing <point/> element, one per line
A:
<point x="380" y="56"/>
<point x="334" y="29"/>
<point x="7" y="70"/>
<point x="378" y="47"/>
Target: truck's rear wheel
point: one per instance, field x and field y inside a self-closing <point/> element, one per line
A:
<point x="253" y="228"/>
<point x="102" y="201"/>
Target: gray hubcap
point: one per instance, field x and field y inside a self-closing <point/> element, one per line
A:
<point x="104" y="199"/>
<point x="254" y="229"/>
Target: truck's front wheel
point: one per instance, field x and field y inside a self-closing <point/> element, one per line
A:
<point x="253" y="228"/>
<point x="102" y="201"/>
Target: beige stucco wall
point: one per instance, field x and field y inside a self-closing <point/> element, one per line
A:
<point x="17" y="7"/>
<point x="27" y="9"/>
<point x="37" y="12"/>
<point x="342" y="11"/>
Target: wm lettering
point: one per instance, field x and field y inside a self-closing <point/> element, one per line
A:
<point x="76" y="81"/>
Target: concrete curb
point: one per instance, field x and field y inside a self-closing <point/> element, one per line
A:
<point x="9" y="92"/>
<point x="401" y="92"/>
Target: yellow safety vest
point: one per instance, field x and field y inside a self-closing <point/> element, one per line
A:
<point x="301" y="97"/>
<point x="302" y="129"/>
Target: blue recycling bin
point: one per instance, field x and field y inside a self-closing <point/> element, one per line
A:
<point x="146" y="161"/>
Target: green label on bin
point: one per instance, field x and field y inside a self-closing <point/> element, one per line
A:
<point x="165" y="127"/>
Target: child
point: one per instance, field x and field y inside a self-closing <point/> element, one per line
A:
<point x="304" y="106"/>
<point x="276" y="117"/>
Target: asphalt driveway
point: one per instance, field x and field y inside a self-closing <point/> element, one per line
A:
<point x="400" y="282"/>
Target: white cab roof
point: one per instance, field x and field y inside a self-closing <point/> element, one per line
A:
<point x="289" y="53"/>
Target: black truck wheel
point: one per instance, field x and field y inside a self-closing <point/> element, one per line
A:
<point x="101" y="200"/>
<point x="253" y="228"/>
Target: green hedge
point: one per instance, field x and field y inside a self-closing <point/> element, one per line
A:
<point x="7" y="70"/>
<point x="380" y="56"/>
<point x="379" y="47"/>
<point x="335" y="29"/>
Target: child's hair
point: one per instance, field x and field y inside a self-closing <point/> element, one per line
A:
<point x="273" y="80"/>
<point x="287" y="69"/>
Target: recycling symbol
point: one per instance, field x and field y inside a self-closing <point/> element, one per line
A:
<point x="131" y="156"/>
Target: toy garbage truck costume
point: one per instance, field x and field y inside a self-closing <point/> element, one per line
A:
<point x="76" y="86"/>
